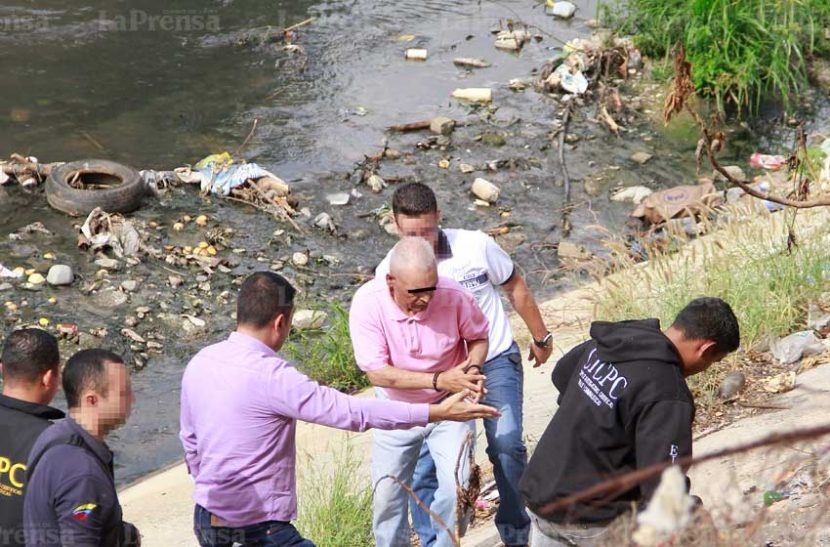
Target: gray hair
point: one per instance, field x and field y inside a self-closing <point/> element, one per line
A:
<point x="411" y="254"/>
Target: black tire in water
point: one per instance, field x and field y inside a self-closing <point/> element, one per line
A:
<point x="113" y="187"/>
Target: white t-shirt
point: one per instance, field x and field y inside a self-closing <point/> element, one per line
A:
<point x="479" y="265"/>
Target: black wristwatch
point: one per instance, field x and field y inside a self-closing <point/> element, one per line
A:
<point x="545" y="342"/>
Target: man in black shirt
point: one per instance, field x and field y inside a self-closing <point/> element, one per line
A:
<point x="623" y="405"/>
<point x="30" y="365"/>
<point x="71" y="500"/>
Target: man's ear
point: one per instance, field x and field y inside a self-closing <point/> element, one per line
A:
<point x="91" y="398"/>
<point x="390" y="279"/>
<point x="50" y="377"/>
<point x="704" y="346"/>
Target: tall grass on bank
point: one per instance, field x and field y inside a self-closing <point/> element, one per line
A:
<point x="746" y="263"/>
<point x="740" y="50"/>
<point x="326" y="354"/>
<point x="336" y="504"/>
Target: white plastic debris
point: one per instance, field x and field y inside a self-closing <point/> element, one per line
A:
<point x="416" y="54"/>
<point x="574" y="83"/>
<point x="669" y="511"/>
<point x="633" y="194"/>
<point x="795" y="346"/>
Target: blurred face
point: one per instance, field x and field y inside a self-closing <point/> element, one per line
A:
<point x="115" y="407"/>
<point x="412" y="290"/>
<point x="423" y="226"/>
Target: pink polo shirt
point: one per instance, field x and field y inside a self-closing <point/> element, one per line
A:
<point x="383" y="335"/>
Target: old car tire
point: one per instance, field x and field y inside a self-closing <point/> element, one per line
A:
<point x="116" y="188"/>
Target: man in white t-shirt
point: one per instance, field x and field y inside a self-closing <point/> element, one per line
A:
<point x="477" y="262"/>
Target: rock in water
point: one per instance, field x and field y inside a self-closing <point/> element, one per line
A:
<point x="485" y="190"/>
<point x="60" y="274"/>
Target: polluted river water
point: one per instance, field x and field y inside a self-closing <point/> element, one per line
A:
<point x="156" y="85"/>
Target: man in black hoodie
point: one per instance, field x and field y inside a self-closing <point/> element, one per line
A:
<point x="623" y="405"/>
<point x="30" y="365"/>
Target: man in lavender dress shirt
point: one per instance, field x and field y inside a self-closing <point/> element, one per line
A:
<point x="239" y="406"/>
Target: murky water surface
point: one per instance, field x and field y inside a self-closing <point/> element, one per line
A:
<point x="158" y="84"/>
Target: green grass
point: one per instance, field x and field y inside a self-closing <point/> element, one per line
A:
<point x="326" y="354"/>
<point x="769" y="288"/>
<point x="741" y="51"/>
<point x="335" y="510"/>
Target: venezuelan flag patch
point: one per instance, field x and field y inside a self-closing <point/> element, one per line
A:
<point x="83" y="511"/>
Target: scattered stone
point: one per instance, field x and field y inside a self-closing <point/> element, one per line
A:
<point x="340" y="198"/>
<point x="780" y="383"/>
<point x="391" y="154"/>
<point x="512" y="40"/>
<point x="593" y="187"/>
<point x="110" y="298"/>
<point x="592" y="24"/>
<point x="131" y="321"/>
<point x="299" y="259"/>
<point x="6" y="286"/>
<point x="493" y="139"/>
<point x="36" y="279"/>
<point x="733" y="170"/>
<point x="572" y="138"/>
<point x="129" y="285"/>
<point x="474" y="94"/>
<point x="466" y="168"/>
<point x="641" y="157"/>
<point x="133" y="335"/>
<point x="60" y="274"/>
<point x="485" y="190"/>
<point x="174" y="281"/>
<point x="732" y="385"/>
<point x="568" y="250"/>
<point x="470" y="63"/>
<point x="441" y="125"/>
<point x="481" y="203"/>
<point x="201" y="220"/>
<point x="561" y="9"/>
<point x="376" y="183"/>
<point x="108" y="263"/>
<point x="325" y="222"/>
<point x="308" y="319"/>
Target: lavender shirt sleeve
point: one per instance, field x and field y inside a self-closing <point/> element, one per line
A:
<point x="295" y="395"/>
<point x="188" y="436"/>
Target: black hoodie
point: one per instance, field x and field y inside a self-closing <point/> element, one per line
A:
<point x="623" y="405"/>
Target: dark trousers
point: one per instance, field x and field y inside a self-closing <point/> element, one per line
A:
<point x="273" y="533"/>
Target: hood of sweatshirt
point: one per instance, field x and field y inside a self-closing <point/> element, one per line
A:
<point x="637" y="340"/>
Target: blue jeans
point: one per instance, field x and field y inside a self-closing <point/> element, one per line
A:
<point x="505" y="449"/>
<point x="264" y="534"/>
<point x="395" y="453"/>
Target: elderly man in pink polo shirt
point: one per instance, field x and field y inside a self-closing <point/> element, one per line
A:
<point x="419" y="337"/>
